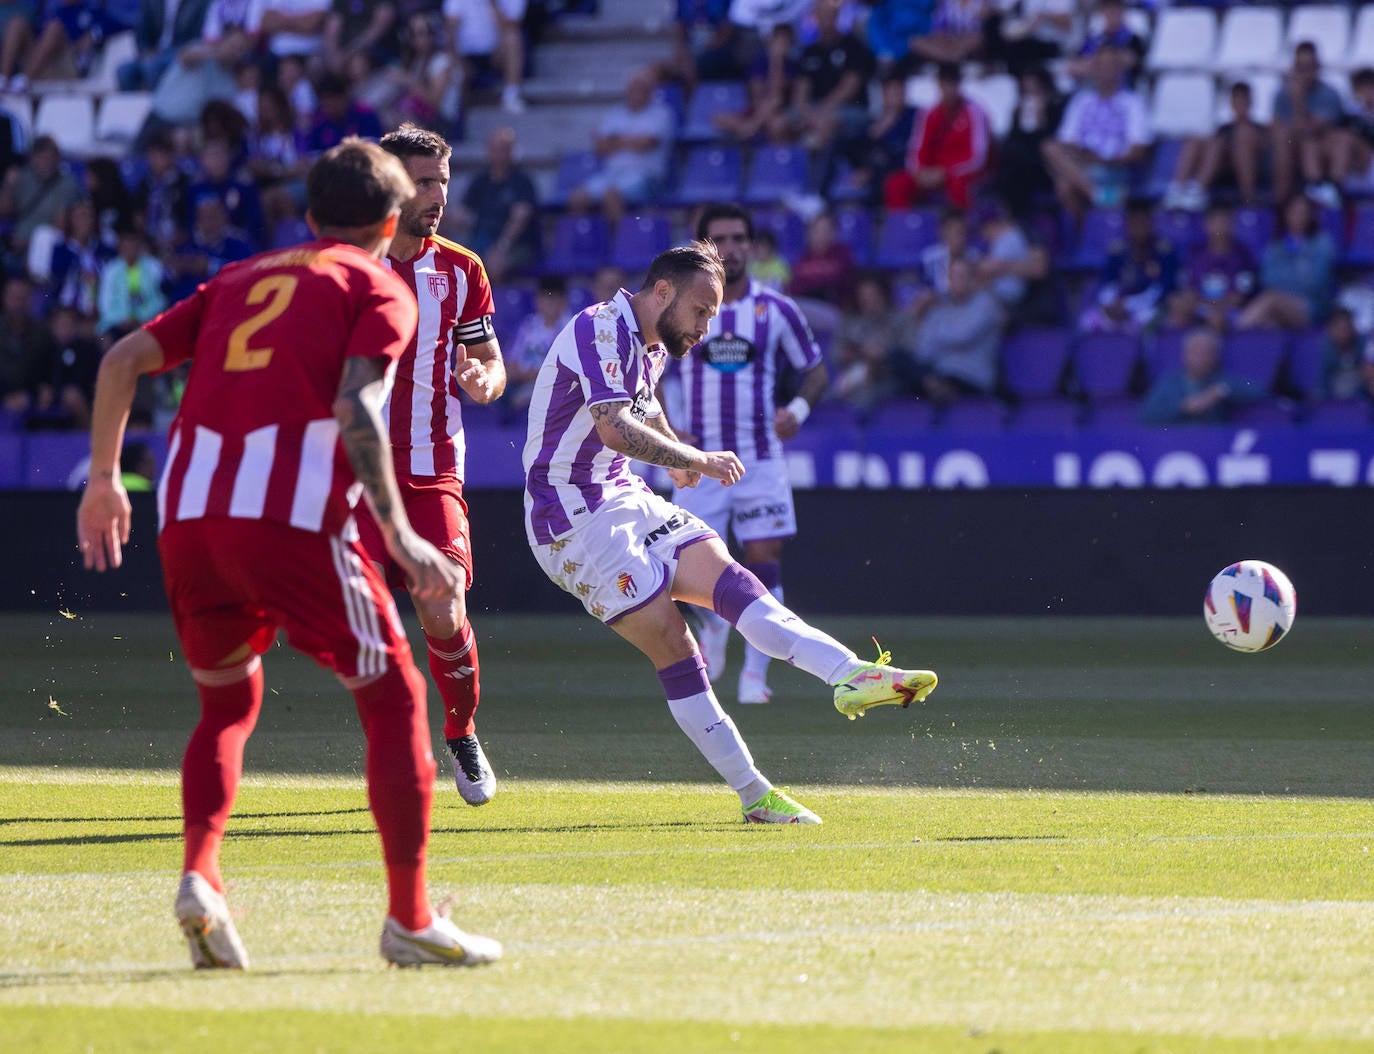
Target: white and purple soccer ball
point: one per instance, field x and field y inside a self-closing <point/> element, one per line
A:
<point x="1250" y="606"/>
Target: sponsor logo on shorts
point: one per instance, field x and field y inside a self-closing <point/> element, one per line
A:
<point x="625" y="582"/>
<point x="760" y="511"/>
<point x="675" y="522"/>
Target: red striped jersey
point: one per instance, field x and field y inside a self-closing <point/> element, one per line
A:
<point x="423" y="413"/>
<point x="255" y="436"/>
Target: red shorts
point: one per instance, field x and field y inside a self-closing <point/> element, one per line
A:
<point x="439" y="515"/>
<point x="232" y="582"/>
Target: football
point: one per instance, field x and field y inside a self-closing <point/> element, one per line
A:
<point x="1250" y="606"/>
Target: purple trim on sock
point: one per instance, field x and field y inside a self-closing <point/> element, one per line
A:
<point x="685" y="678"/>
<point x="736" y="588"/>
<point x="769" y="572"/>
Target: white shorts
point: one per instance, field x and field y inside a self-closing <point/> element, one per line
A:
<point x="756" y="508"/>
<point x="624" y="555"/>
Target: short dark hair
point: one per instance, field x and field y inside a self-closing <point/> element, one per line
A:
<point x="1242" y="86"/>
<point x="724" y="210"/>
<point x="680" y="263"/>
<point x="410" y="140"/>
<point x="356" y="184"/>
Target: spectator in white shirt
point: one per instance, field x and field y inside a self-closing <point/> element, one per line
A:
<point x="1104" y="135"/>
<point x="632" y="148"/>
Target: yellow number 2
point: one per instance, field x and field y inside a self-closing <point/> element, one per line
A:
<point x="277" y="290"/>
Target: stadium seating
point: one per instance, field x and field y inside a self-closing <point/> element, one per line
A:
<point x="1163" y="353"/>
<point x="1254" y="228"/>
<point x="1251" y="38"/>
<point x="1048" y="415"/>
<point x="996" y="94"/>
<point x="1325" y="25"/>
<point x="1185" y="38"/>
<point x="1305" y="362"/>
<point x="1361" y="249"/>
<point x="579" y="246"/>
<point x="1183" y="229"/>
<point x="20" y="107"/>
<point x="1361" y="51"/>
<point x="855" y="229"/>
<point x="1346" y="415"/>
<point x="1033" y="362"/>
<point x="903" y="236"/>
<point x="1183" y="104"/>
<point x="1104" y="365"/>
<point x="787" y="230"/>
<point x="638" y="239"/>
<point x="709" y="173"/>
<point x="1101" y="227"/>
<point x="513" y="303"/>
<point x="709" y="99"/>
<point x="1255" y="355"/>
<point x="973" y="414"/>
<point x="121" y="116"/>
<point x="776" y="173"/>
<point x="1262" y="414"/>
<point x="574" y="169"/>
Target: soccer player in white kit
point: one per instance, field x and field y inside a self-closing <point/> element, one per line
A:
<point x="601" y="534"/>
<point x="729" y="382"/>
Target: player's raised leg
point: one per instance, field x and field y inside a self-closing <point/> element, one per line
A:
<point x="707" y="576"/>
<point x="658" y="630"/>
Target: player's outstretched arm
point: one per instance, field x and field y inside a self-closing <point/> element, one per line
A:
<point x="102" y="519"/>
<point x="357" y="408"/>
<point x="617" y="428"/>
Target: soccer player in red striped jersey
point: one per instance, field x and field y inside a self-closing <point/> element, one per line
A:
<point x="454" y="349"/>
<point x="278" y="429"/>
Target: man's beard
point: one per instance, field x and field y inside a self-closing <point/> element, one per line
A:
<point x="419" y="227"/>
<point x="675" y="340"/>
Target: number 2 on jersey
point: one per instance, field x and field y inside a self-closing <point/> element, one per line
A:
<point x="277" y="290"/>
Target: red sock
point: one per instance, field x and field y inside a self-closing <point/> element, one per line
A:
<point x="400" y="785"/>
<point x="230" y="699"/>
<point x="453" y="665"/>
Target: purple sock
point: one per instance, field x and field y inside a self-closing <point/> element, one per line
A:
<point x="736" y="588"/>
<point x="685" y="678"/>
<point x="769" y="572"/>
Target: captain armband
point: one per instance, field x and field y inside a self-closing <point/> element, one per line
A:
<point x="478" y="331"/>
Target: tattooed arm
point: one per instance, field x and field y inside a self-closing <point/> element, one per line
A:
<point x="358" y="409"/>
<point x="657" y="445"/>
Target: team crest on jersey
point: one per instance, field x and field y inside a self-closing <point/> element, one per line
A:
<point x="438" y="286"/>
<point x="625" y="582"/>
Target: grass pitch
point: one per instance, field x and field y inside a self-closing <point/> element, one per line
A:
<point x="1097" y="836"/>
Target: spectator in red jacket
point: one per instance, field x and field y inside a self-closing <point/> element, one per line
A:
<point x="948" y="151"/>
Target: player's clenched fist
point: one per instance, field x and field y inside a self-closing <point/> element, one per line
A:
<point x="722" y="465"/>
<point x="430" y="575"/>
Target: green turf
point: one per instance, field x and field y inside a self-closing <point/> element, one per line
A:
<point x="1100" y="835"/>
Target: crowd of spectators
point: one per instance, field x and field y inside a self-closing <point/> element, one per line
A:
<point x="1240" y="233"/>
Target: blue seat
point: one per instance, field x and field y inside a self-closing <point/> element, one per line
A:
<point x="775" y="173"/>
<point x="1255" y="355"/>
<point x="709" y="173"/>
<point x="1266" y="413"/>
<point x="1333" y="222"/>
<point x="709" y="99"/>
<point x="1162" y="165"/>
<point x="1345" y="415"/>
<point x="786" y="228"/>
<point x="1104" y="364"/>
<point x="514" y="303"/>
<point x="1033" y="362"/>
<point x="1306" y="361"/>
<point x="574" y="169"/>
<point x="638" y="239"/>
<point x="578" y="246"/>
<point x="854" y="227"/>
<point x="1182" y="228"/>
<point x="1361" y="249"/>
<point x="1101" y="228"/>
<point x="1254" y="228"/>
<point x="973" y="414"/>
<point x="1048" y="415"/>
<point x="902" y="415"/>
<point x="1116" y="413"/>
<point x="1164" y="352"/>
<point x="903" y="236"/>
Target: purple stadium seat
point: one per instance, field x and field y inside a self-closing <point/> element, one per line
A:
<point x="579" y="246"/>
<point x="574" y="169"/>
<point x="1305" y="361"/>
<point x="1254" y="228"/>
<point x="973" y="414"/>
<point x="638" y="239"/>
<point x="1104" y="364"/>
<point x="905" y="290"/>
<point x="787" y="230"/>
<point x="513" y="304"/>
<point x="776" y="172"/>
<point x="1033" y="362"/>
<point x="902" y="237"/>
<point x="1182" y="228"/>
<point x="1266" y="413"/>
<point x="1345" y="415"/>
<point x="1255" y="355"/>
<point x="1116" y="413"/>
<point x="1048" y="415"/>
<point x="709" y="173"/>
<point x="1164" y="352"/>
<point x="1162" y="165"/>
<point x="710" y="98"/>
<point x="1101" y="227"/>
<point x="1361" y="249"/>
<point x="902" y="416"/>
<point x="832" y="413"/>
<point x="1333" y="222"/>
<point x="855" y="228"/>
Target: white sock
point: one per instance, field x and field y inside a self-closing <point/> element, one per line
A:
<point x="776" y="631"/>
<point x="755" y="661"/>
<point x="715" y="735"/>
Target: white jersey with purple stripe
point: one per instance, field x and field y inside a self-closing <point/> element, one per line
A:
<point x="728" y="380"/>
<point x="598" y="357"/>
